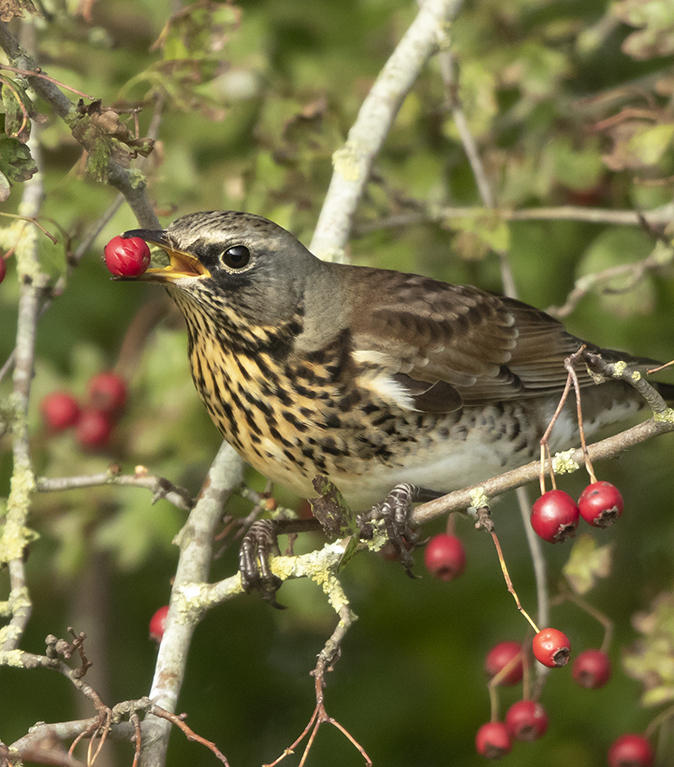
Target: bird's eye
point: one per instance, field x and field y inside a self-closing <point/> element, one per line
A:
<point x="236" y="257"/>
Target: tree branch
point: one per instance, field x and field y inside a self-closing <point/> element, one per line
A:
<point x="126" y="181"/>
<point x="608" y="448"/>
<point x="16" y="535"/>
<point x="353" y="161"/>
<point x="661" y="215"/>
<point x="196" y="545"/>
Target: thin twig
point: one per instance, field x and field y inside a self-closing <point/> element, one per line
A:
<point x="179" y="721"/>
<point x="160" y="487"/>
<point x="37" y="72"/>
<point x="326" y="659"/>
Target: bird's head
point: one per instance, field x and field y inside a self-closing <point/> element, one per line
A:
<point x="243" y="262"/>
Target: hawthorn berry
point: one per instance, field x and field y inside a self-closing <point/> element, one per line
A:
<point x="630" y="751"/>
<point x="107" y="392"/>
<point x="500" y="656"/>
<point x="94" y="429"/>
<point x="526" y="720"/>
<point x="592" y="669"/>
<point x="3" y="268"/>
<point x="493" y="740"/>
<point x="601" y="504"/>
<point x="445" y="557"/>
<point x="59" y="410"/>
<point x="158" y="624"/>
<point x="127" y="256"/>
<point x="555" y="516"/>
<point x="551" y="647"/>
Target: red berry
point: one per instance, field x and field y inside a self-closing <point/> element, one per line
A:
<point x="94" y="429"/>
<point x="493" y="740"/>
<point x="551" y="647"/>
<point x="592" y="669"/>
<point x="631" y="751"/>
<point x="158" y="624"/>
<point x="601" y="504"/>
<point x="60" y="410"/>
<point x="107" y="391"/>
<point x="554" y="516"/>
<point x="444" y="557"/>
<point x="500" y="656"/>
<point x="526" y="720"/>
<point x="3" y="268"/>
<point x="127" y="256"/>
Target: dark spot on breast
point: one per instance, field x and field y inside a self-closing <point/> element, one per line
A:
<point x="332" y="421"/>
<point x="292" y="419"/>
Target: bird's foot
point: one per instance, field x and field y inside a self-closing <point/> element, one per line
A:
<point x="258" y="547"/>
<point x="394" y="511"/>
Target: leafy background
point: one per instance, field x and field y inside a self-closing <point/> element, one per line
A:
<point x="255" y="99"/>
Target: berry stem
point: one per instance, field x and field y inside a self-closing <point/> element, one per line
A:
<point x="509" y="583"/>
<point x="493" y="702"/>
<point x="526" y="677"/>
<point x="545" y="448"/>
<point x="599" y="616"/>
<point x="657" y="721"/>
<point x="496" y="680"/>
<point x="570" y="364"/>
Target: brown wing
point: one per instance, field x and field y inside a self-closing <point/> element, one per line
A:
<point x="449" y="345"/>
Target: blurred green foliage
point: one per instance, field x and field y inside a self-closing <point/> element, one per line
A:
<point x="570" y="104"/>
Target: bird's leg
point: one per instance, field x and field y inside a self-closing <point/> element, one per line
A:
<point x="259" y="544"/>
<point x="394" y="510"/>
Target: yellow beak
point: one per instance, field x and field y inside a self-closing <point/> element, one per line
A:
<point x="180" y="264"/>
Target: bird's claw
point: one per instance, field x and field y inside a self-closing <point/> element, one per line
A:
<point x="394" y="510"/>
<point x="257" y="546"/>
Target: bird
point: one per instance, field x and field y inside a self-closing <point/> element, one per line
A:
<point x="367" y="376"/>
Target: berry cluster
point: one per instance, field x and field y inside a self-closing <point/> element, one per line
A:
<point x="94" y="420"/>
<point x="3" y="268"/>
<point x="555" y="515"/>
<point x="527" y="720"/>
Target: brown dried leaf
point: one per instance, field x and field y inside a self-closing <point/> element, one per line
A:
<point x="656" y="21"/>
<point x="11" y="8"/>
<point x="638" y="144"/>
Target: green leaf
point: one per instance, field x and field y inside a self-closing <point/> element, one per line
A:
<point x="650" y="144"/>
<point x="587" y="563"/>
<point x="16" y="162"/>
<point x="575" y="168"/>
<point x="4" y="187"/>
<point x="488" y="230"/>
<point x="620" y="295"/>
<point x="17" y="107"/>
<point x="638" y="144"/>
<point x="651" y="658"/>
